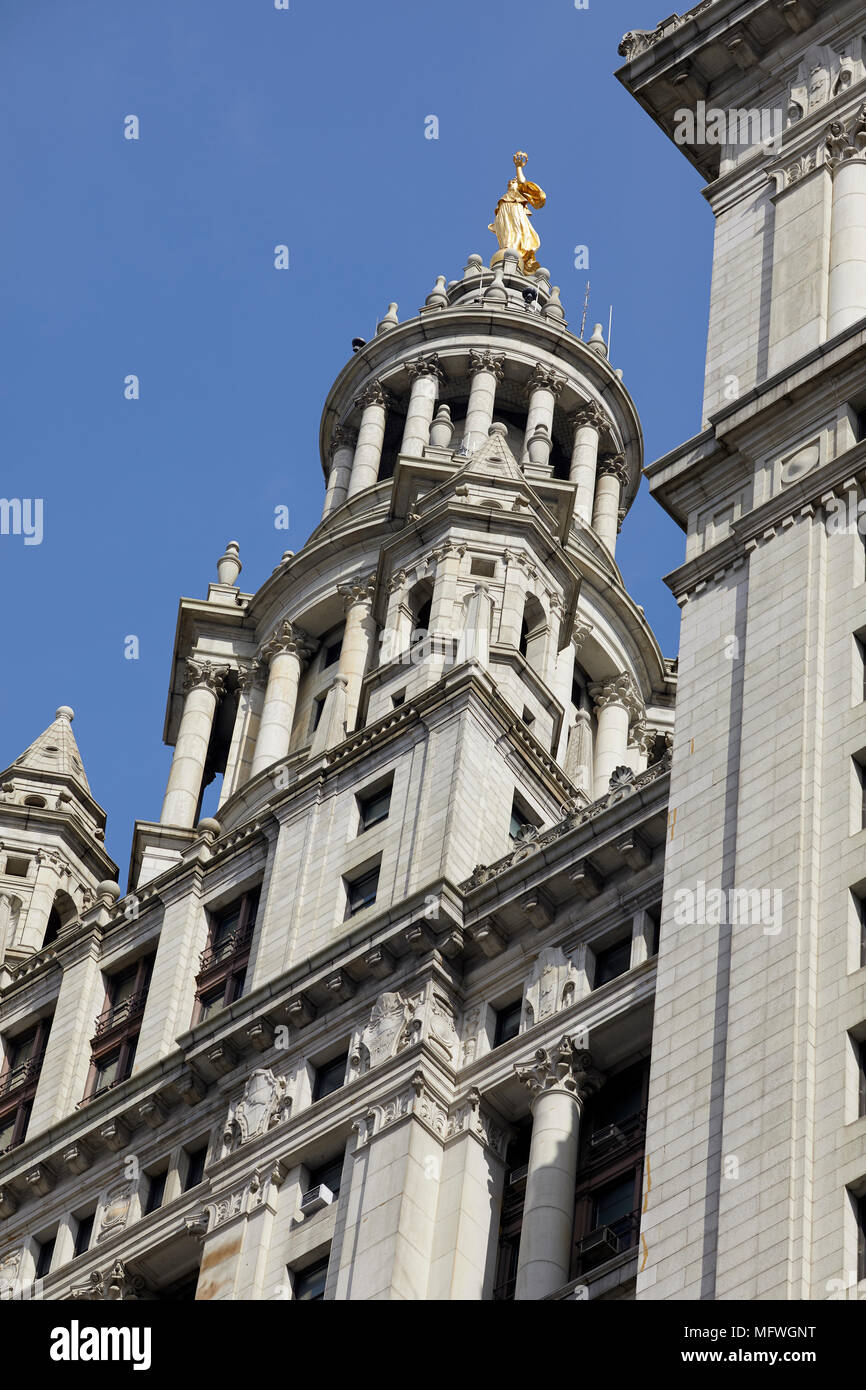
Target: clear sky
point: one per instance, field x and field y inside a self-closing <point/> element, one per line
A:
<point x="155" y="257"/>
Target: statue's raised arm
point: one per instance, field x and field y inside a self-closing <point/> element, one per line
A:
<point x="511" y="223"/>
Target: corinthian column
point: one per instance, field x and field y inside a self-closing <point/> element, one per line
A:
<point x="617" y="705"/>
<point x="343" y="443"/>
<point x="612" y="478"/>
<point x="426" y="375"/>
<point x="560" y="1081"/>
<point x="285" y="654"/>
<point x="203" y="685"/>
<point x="485" y="369"/>
<point x="588" y="423"/>
<point x="544" y="387"/>
<point x="251" y="690"/>
<point x="359" y="640"/>
<point x="373" y="402"/>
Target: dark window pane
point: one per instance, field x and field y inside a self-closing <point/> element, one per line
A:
<point x="309" y="1284"/>
<point x="362" y="892"/>
<point x="327" y="1175"/>
<point x="375" y="808"/>
<point x="83" y="1234"/>
<point x="155" y="1191"/>
<point x="195" y="1167"/>
<point x="614" y="1202"/>
<point x="507" y="1022"/>
<point x="330" y="1076"/>
<point x="43" y="1259"/>
<point x="332" y="653"/>
<point x="612" y="962"/>
<point x="107" y="1072"/>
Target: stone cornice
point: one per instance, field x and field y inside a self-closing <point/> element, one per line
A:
<point x="800" y="499"/>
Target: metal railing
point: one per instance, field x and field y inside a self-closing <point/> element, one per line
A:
<point x="120" y="1013"/>
<point x="20" y="1075"/>
<point x="231" y="945"/>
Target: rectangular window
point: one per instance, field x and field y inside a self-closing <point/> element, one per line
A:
<point x="860" y="1054"/>
<point x="507" y="1022"/>
<point x="223" y="963"/>
<point x="328" y="1175"/>
<point x="860" y="668"/>
<point x="860" y="777"/>
<point x="655" y="915"/>
<point x="521" y="821"/>
<point x="84" y="1233"/>
<point x="374" y="807"/>
<point x="361" y="891"/>
<point x="318" y="711"/>
<point x="612" y="962"/>
<point x="17" y="866"/>
<point x="44" y="1257"/>
<point x="860" y="927"/>
<point x="331" y="653"/>
<point x="155" y="1191"/>
<point x="330" y="1076"/>
<point x="308" y="1285"/>
<point x="480" y="566"/>
<point x="19" y="1077"/>
<point x="398" y="698"/>
<point x="860" y="1214"/>
<point x="195" y="1167"/>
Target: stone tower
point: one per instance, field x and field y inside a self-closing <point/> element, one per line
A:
<point x="380" y="1028"/>
<point x="756" y="1140"/>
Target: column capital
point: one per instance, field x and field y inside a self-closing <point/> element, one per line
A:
<point x="373" y="393"/>
<point x="544" y="378"/>
<point x="288" y="637"/>
<point x="359" y="590"/>
<point x="252" y="677"/>
<point x="468" y="1117"/>
<point x="425" y="366"/>
<point x="115" y="1285"/>
<point x="204" y="673"/>
<point x="342" y="438"/>
<point x="615" y="466"/>
<point x="843" y="143"/>
<point x="565" y="1067"/>
<point x="589" y="416"/>
<point x="487" y="362"/>
<point x="618" y="690"/>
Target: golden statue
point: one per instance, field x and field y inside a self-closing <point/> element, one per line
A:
<point x="511" y="222"/>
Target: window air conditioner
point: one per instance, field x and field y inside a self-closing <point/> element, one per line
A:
<point x="315" y="1199"/>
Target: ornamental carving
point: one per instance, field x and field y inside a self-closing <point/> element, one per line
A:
<point x="637" y="41"/>
<point x="115" y="1210"/>
<point x="116" y="1285"/>
<point x="373" y="393"/>
<point x="361" y="589"/>
<point x="443" y="1030"/>
<point x="626" y="782"/>
<point x="614" y="465"/>
<point x="822" y="75"/>
<point x="252" y="677"/>
<point x="425" y="366"/>
<point x="343" y="438"/>
<point x="288" y="638"/>
<point x="564" y="1067"/>
<point x="590" y="417"/>
<point x="486" y="362"/>
<point x="254" y="1193"/>
<point x="545" y="379"/>
<point x="550" y="986"/>
<point x="10" y="1273"/>
<point x="266" y="1102"/>
<point x="846" y="142"/>
<point x="390" y="1029"/>
<point x="619" y="690"/>
<point x="467" y="1117"/>
<point x="414" y="1098"/>
<point x="797" y="171"/>
<point x="204" y="673"/>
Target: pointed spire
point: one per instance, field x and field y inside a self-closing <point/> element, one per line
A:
<point x="55" y="752"/>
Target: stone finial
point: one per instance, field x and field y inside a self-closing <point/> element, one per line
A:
<point x="474" y="266"/>
<point x="209" y="828"/>
<point x="229" y="565"/>
<point x="437" y="298"/>
<point x="65" y="712"/>
<point x="553" y="308"/>
<point x="496" y="293"/>
<point x="442" y="428"/>
<point x="107" y="892"/>
<point x="596" y="342"/>
<point x="389" y="321"/>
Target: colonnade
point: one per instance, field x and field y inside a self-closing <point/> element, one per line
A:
<point x="600" y="479"/>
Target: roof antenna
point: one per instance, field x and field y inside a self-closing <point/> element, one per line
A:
<point x="585" y="308"/>
<point x="609" y="332"/>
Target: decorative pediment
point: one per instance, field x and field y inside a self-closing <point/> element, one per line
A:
<point x="494" y="459"/>
<point x="391" y="1027"/>
<point x="822" y="75"/>
<point x="266" y="1101"/>
<point x="552" y="985"/>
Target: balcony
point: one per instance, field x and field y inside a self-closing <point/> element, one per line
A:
<point x="120" y="1013"/>
<point x="231" y="945"/>
<point x="21" y="1075"/>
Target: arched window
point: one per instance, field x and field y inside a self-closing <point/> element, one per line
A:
<point x="533" y="633"/>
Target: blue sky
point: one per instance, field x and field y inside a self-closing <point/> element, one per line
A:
<point x="155" y="257"/>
